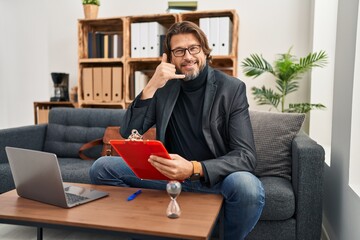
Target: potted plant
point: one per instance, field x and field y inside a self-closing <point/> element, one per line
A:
<point x="286" y="71"/>
<point x="91" y="8"/>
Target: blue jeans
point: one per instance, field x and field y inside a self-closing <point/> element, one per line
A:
<point x="244" y="195"/>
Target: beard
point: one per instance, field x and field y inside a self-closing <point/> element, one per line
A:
<point x="191" y="75"/>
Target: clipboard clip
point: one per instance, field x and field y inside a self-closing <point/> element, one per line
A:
<point x="135" y="136"/>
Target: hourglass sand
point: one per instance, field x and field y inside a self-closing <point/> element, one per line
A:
<point x="173" y="188"/>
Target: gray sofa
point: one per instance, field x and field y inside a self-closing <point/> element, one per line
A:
<point x="290" y="164"/>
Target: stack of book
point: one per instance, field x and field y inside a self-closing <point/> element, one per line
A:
<point x="181" y="6"/>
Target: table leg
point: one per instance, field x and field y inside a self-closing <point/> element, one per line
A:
<point x="39" y="233"/>
<point x="221" y="223"/>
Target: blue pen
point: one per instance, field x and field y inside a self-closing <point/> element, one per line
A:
<point x="134" y="195"/>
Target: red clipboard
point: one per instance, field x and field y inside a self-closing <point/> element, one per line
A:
<point x="136" y="154"/>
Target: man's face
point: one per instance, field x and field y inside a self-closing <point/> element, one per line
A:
<point x="189" y="64"/>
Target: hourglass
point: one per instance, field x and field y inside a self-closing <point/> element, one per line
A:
<point x="173" y="188"/>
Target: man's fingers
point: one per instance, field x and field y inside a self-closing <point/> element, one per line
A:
<point x="177" y="76"/>
<point x="164" y="58"/>
<point x="169" y="67"/>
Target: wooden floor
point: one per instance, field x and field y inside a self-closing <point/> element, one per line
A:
<point x="14" y="232"/>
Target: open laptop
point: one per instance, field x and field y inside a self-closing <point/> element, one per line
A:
<point x="37" y="176"/>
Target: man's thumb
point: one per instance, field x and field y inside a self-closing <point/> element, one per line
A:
<point x="164" y="57"/>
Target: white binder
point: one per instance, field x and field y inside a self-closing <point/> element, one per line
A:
<point x="135" y="40"/>
<point x="141" y="80"/>
<point x="225" y="36"/>
<point x="155" y="30"/>
<point x="214" y="35"/>
<point x="204" y="24"/>
<point x="116" y="46"/>
<point x="144" y="39"/>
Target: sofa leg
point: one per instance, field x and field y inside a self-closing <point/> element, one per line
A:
<point x="39" y="233"/>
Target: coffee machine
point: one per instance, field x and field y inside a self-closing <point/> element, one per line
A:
<point x="61" y="87"/>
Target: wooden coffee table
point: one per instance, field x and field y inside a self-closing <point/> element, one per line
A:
<point x="144" y="216"/>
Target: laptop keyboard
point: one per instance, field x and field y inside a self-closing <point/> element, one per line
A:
<point x="73" y="198"/>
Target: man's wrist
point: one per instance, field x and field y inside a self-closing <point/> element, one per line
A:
<point x="197" y="170"/>
<point x="147" y="93"/>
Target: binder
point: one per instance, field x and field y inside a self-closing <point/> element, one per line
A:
<point x="93" y="45"/>
<point x="106" y="84"/>
<point x="99" y="41"/>
<point x="162" y="40"/>
<point x="135" y="40"/>
<point x="90" y="45"/>
<point x="97" y="71"/>
<point x="141" y="80"/>
<point x="116" y="84"/>
<point x="144" y="36"/>
<point x="214" y="35"/>
<point x="137" y="76"/>
<point x="154" y="41"/>
<point x="106" y="46"/>
<point x="118" y="45"/>
<point x="115" y="45"/>
<point x="225" y="36"/>
<point x="204" y="24"/>
<point x="87" y="82"/>
<point x="111" y="46"/>
<point x="131" y="90"/>
<point x="43" y="115"/>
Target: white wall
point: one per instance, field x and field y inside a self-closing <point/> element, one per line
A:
<point x="322" y="80"/>
<point x="23" y="60"/>
<point x="354" y="177"/>
<point x="41" y="37"/>
<point x="341" y="203"/>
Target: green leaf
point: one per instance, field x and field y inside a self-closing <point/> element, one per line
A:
<point x="303" y="107"/>
<point x="265" y="96"/>
<point x="292" y="87"/>
<point x="314" y="60"/>
<point x="256" y="65"/>
<point x="94" y="2"/>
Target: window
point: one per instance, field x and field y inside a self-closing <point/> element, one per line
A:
<point x="354" y="166"/>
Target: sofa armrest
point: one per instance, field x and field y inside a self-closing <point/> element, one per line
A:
<point x="30" y="137"/>
<point x="307" y="180"/>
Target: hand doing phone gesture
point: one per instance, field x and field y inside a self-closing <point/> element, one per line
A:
<point x="164" y="71"/>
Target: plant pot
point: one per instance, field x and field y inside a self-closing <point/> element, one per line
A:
<point x="91" y="11"/>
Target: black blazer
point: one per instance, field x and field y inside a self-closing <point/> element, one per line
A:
<point x="225" y="122"/>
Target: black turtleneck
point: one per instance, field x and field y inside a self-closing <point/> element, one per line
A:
<point x="184" y="132"/>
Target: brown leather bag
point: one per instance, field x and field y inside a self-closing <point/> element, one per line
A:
<point x="110" y="134"/>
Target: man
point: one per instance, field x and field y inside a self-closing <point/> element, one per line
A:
<point x="202" y="117"/>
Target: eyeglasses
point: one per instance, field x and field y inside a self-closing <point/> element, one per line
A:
<point x="180" y="52"/>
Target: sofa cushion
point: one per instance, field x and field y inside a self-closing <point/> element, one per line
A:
<point x="69" y="128"/>
<point x="273" y="134"/>
<point x="278" y="230"/>
<point x="6" y="182"/>
<point x="75" y="170"/>
<point x="280" y="199"/>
